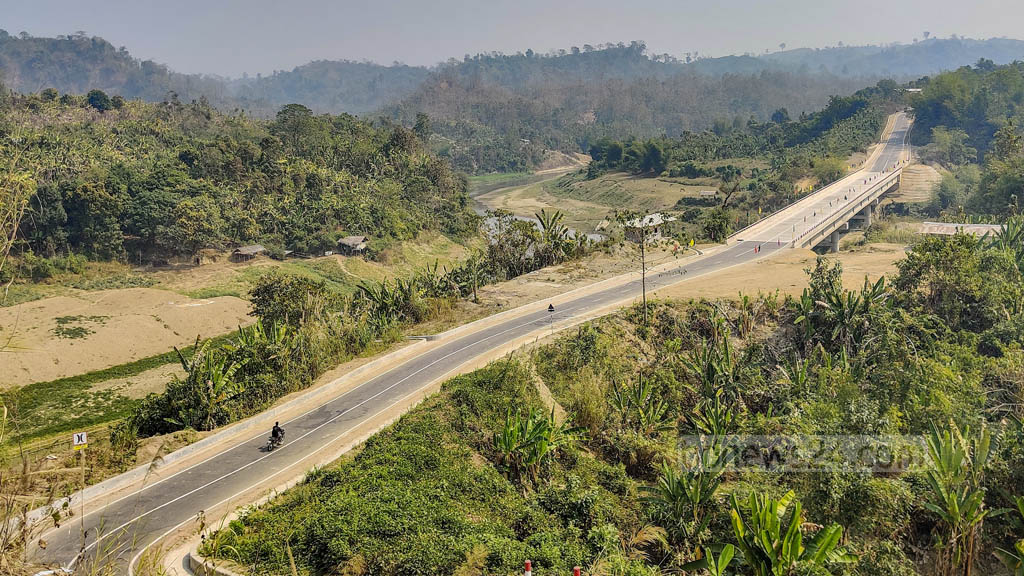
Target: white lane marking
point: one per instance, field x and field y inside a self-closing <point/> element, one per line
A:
<point x="131" y="563"/>
<point x="331" y="420"/>
<point x="317" y="428"/>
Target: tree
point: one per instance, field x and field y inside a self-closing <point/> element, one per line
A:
<point x="422" y="126"/>
<point x="949" y="147"/>
<point x="780" y="116"/>
<point x="288" y="299"/>
<point x="99" y="100"/>
<point x="94" y="218"/>
<point x="197" y="224"/>
<point x="716" y="225"/>
<point x="632" y="220"/>
<point x="17" y="186"/>
<point x="1006" y="143"/>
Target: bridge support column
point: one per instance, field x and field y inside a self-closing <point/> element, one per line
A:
<point x="833" y="241"/>
<point x="865" y="215"/>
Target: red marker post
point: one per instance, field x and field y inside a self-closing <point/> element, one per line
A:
<point x="527" y="569"/>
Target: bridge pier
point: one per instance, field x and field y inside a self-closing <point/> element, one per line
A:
<point x="833" y="242"/>
<point x="863" y="218"/>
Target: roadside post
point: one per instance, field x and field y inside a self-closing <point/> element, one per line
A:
<point x="79" y="442"/>
<point x="551" y="318"/>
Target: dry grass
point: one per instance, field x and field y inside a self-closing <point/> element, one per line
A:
<point x="785" y="273"/>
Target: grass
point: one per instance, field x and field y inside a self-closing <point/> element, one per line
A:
<point x="71" y="327"/>
<point x="424" y="492"/>
<point x="488" y="182"/>
<point x="96" y="276"/>
<point x="47" y="408"/>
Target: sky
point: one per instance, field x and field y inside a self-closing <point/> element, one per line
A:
<point x="232" y="37"/>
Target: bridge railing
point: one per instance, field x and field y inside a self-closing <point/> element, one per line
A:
<point x="816" y="234"/>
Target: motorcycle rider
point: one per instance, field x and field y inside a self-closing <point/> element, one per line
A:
<point x="277" y="433"/>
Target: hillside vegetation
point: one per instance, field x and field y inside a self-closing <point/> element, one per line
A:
<point x="969" y="121"/>
<point x="499" y="112"/>
<point x="645" y="475"/>
<point x="142" y="182"/>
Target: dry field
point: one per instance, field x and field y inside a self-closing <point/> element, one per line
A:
<point x="84" y="331"/>
<point x="785" y="273"/>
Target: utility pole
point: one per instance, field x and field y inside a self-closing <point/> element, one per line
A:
<point x="643" y="266"/>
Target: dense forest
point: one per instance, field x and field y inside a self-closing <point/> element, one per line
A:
<point x="129" y="180"/>
<point x="969" y="121"/>
<point x="499" y="112"/>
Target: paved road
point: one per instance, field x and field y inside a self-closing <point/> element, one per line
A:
<point x="794" y="223"/>
<point x="130" y="524"/>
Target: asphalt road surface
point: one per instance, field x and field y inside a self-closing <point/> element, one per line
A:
<point x="127" y="526"/>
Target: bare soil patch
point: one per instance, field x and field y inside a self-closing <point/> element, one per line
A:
<point x="916" y="184"/>
<point x="85" y="331"/>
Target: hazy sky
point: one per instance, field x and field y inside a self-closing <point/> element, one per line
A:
<point x="229" y="37"/>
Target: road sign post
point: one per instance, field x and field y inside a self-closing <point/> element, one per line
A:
<point x="79" y="442"/>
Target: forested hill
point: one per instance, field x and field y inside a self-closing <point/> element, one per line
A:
<point x="502" y="112"/>
<point x="331" y="86"/>
<point x="77" y="63"/>
<point x="116" y="179"/>
<point x="901" y="60"/>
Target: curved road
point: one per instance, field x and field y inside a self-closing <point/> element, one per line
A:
<point x="130" y="524"/>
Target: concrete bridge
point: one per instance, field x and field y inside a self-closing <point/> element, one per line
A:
<point x="820" y="219"/>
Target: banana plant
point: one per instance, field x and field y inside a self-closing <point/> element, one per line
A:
<point x="1014" y="559"/>
<point x="956" y="495"/>
<point x="210" y="384"/>
<point x="639" y="409"/>
<point x="527" y="443"/>
<point x="772" y="543"/>
<point x="713" y="566"/>
<point x="683" y="495"/>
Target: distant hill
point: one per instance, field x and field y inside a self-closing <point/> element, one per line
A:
<point x="79" y="63"/>
<point x="901" y="60"/>
<point x="498" y="111"/>
<point x="331" y="86"/>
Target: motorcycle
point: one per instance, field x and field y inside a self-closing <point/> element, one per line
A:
<point x="274" y="442"/>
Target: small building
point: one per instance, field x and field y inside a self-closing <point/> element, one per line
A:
<point x="951" y="228"/>
<point x="352" y="245"/>
<point x="246" y="253"/>
<point x="651" y="226"/>
<point x="708" y="194"/>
